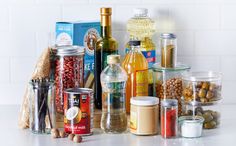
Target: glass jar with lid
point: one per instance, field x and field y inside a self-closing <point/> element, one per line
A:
<point x="168" y="82"/>
<point x="210" y="112"/>
<point x="204" y="87"/>
<point x="69" y="71"/>
<point x="168" y="43"/>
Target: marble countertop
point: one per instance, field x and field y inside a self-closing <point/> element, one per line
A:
<point x="11" y="135"/>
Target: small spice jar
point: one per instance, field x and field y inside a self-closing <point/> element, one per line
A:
<point x="168" y="44"/>
<point x="144" y="115"/>
<point x="191" y="126"/>
<point x="169" y="118"/>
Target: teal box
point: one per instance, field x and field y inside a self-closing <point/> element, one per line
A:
<point x="83" y="34"/>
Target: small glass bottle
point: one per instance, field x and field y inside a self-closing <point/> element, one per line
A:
<point x="136" y="67"/>
<point x="113" y="80"/>
<point x="169" y="118"/>
<point x="168" y="44"/>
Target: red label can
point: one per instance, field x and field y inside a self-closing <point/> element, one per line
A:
<point x="78" y="111"/>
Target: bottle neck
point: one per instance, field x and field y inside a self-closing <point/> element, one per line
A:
<point x="135" y="48"/>
<point x="105" y="26"/>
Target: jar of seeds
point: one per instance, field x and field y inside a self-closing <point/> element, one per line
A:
<point x="168" y="82"/>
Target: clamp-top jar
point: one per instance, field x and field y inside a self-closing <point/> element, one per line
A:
<point x="168" y="44"/>
<point x="69" y="72"/>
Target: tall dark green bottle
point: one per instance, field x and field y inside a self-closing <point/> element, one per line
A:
<point x="104" y="47"/>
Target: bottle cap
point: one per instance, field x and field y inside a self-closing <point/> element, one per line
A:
<point x="169" y="102"/>
<point x="106" y="11"/>
<point x="113" y="59"/>
<point x="140" y="11"/>
<point x="144" y="100"/>
<point x="135" y="43"/>
<point x="168" y="36"/>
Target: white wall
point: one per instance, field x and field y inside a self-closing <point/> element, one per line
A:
<point x="206" y="32"/>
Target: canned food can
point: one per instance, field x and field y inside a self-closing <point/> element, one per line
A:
<point x="78" y="111"/>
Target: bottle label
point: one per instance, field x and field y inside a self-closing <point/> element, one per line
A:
<point x="142" y="83"/>
<point x="150" y="56"/>
<point x="113" y="95"/>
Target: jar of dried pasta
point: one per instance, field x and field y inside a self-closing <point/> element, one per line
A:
<point x="144" y="115"/>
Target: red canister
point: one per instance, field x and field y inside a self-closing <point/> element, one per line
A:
<point x="78" y="111"/>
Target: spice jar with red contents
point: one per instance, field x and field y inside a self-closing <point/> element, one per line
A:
<point x="169" y="118"/>
<point x="168" y="82"/>
<point x="69" y="71"/>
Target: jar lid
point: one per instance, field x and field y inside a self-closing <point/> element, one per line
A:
<point x="169" y="102"/>
<point x="202" y="76"/>
<point x="191" y="119"/>
<point x="168" y="36"/>
<point x="69" y="50"/>
<point x="144" y="100"/>
<point x="179" y="67"/>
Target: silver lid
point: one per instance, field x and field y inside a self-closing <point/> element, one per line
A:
<point x="69" y="50"/>
<point x="169" y="102"/>
<point x="168" y="36"/>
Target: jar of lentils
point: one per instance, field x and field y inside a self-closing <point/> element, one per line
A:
<point x="69" y="71"/>
<point x="168" y="82"/>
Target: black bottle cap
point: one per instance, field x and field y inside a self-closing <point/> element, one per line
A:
<point x="134" y="43"/>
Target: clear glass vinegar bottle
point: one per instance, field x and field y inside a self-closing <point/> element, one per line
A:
<point x="113" y="80"/>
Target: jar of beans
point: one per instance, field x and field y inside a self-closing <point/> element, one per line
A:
<point x="69" y="71"/>
<point x="168" y="82"/>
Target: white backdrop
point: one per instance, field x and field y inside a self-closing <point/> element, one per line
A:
<point x="206" y="31"/>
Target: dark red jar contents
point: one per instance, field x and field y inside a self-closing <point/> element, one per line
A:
<point x="68" y="74"/>
<point x="168" y="123"/>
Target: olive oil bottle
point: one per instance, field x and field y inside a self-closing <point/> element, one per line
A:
<point x="105" y="46"/>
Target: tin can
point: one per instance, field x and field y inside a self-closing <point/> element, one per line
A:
<point x="78" y="111"/>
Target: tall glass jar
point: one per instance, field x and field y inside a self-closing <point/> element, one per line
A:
<point x="69" y="71"/>
<point x="42" y="113"/>
<point x="168" y="44"/>
<point x="168" y="82"/>
<point x="169" y="118"/>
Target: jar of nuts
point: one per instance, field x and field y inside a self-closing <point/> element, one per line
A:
<point x="210" y="113"/>
<point x="168" y="82"/>
<point x="204" y="87"/>
<point x="69" y="71"/>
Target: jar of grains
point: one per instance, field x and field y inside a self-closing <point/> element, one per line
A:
<point x="69" y="70"/>
<point x="168" y="82"/>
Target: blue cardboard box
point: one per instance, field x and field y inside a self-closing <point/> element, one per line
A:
<point x="83" y="34"/>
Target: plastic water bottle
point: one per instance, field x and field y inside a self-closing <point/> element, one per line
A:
<point x="113" y="80"/>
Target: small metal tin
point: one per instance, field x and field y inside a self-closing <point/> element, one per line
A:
<point x="78" y="111"/>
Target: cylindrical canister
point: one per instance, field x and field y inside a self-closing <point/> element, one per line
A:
<point x="78" y="111"/>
